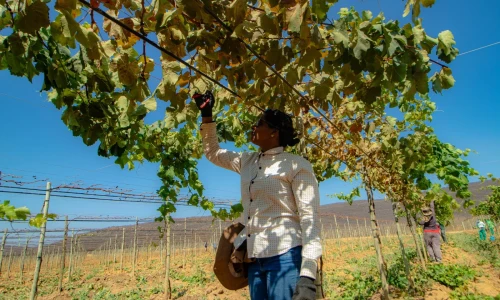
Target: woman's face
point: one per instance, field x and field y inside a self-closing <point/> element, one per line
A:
<point x="262" y="134"/>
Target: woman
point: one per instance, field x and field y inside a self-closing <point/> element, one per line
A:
<point x="280" y="198"/>
<point x="431" y="233"/>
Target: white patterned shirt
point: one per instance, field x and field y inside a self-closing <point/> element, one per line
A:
<point x="280" y="199"/>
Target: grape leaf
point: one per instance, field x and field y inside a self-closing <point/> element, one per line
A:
<point x="445" y="50"/>
<point x="35" y="17"/>
<point x="11" y="213"/>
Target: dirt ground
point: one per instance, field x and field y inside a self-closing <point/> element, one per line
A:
<point x="192" y="276"/>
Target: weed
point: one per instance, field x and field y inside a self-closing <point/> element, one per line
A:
<point x="141" y="279"/>
<point x="356" y="285"/>
<point x="92" y="274"/>
<point x="484" y="250"/>
<point x="80" y="295"/>
<point x="156" y="290"/>
<point x="464" y="294"/>
<point x="396" y="275"/>
<point x="452" y="276"/>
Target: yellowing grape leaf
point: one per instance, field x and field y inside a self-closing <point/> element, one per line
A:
<point x="122" y="36"/>
<point x="68" y="5"/>
<point x="39" y="220"/>
<point x="149" y="104"/>
<point x="445" y="50"/>
<point x="294" y="17"/>
<point x="128" y="71"/>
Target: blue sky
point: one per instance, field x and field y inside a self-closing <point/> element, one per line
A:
<point x="35" y="142"/>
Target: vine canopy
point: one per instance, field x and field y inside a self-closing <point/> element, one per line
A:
<point x="106" y="74"/>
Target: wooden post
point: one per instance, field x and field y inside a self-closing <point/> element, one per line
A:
<point x="168" y="292"/>
<point x="70" y="264"/>
<point x="421" y="237"/>
<point x="420" y="252"/>
<point x="382" y="266"/>
<point x="4" y="239"/>
<point x="195" y="246"/>
<point x="34" y="287"/>
<point x="367" y="232"/>
<point x="114" y="252"/>
<point x="50" y="258"/>
<point x="349" y="227"/>
<point x="57" y="255"/>
<point x="184" y="247"/>
<point x="337" y="230"/>
<point x="123" y="245"/>
<point x="161" y="252"/>
<point x="109" y="250"/>
<point x="134" y="258"/>
<point x="10" y="262"/>
<point x="359" y="235"/>
<point x="173" y="245"/>
<point x="21" y="267"/>
<point x="402" y="247"/>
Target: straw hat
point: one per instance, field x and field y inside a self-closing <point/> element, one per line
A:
<point x="231" y="276"/>
<point x="426" y="211"/>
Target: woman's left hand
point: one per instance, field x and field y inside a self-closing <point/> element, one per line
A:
<point x="305" y="289"/>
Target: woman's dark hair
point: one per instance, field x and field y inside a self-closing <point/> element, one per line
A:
<point x="283" y="123"/>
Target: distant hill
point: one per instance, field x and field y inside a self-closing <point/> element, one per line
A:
<point x="205" y="229"/>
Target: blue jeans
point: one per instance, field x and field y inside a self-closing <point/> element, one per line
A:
<point x="275" y="278"/>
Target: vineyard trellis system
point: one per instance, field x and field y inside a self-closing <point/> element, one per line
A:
<point x="144" y="246"/>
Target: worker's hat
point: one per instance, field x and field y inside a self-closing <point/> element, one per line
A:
<point x="231" y="275"/>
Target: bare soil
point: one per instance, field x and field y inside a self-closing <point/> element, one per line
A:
<point x="192" y="276"/>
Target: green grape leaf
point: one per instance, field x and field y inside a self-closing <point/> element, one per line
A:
<point x="11" y="213"/>
<point x="362" y="45"/>
<point x="236" y="12"/>
<point x="320" y="9"/>
<point x="5" y="17"/>
<point x="35" y="17"/>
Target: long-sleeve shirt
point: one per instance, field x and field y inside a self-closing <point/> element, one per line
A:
<point x="432" y="223"/>
<point x="280" y="198"/>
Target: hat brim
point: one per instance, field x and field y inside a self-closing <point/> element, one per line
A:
<point x="223" y="268"/>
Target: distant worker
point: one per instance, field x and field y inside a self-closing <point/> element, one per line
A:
<point x="431" y="233"/>
<point x="206" y="246"/>
<point x="491" y="227"/>
<point x="482" y="230"/>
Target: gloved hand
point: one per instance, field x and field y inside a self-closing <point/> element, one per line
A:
<point x="205" y="103"/>
<point x="305" y="289"/>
